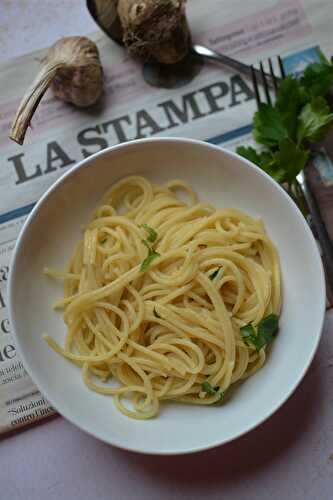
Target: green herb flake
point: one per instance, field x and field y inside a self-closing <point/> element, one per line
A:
<point x="269" y="327"/>
<point x="150" y="257"/>
<point x="247" y="331"/>
<point x="265" y="332"/>
<point x="152" y="234"/>
<point x="103" y="241"/>
<point x="215" y="273"/>
<point x="146" y="244"/>
<point x="212" y="391"/>
<point x="209" y="389"/>
<point x="222" y="394"/>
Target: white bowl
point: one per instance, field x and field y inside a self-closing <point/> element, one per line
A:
<point x="222" y="178"/>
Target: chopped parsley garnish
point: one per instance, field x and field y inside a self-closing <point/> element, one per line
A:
<point x="152" y="234"/>
<point x="152" y="254"/>
<point x="150" y="257"/>
<point x="146" y="244"/>
<point x="212" y="391"/>
<point x="215" y="273"/>
<point x="263" y="334"/>
<point x="209" y="389"/>
<point x="104" y="241"/>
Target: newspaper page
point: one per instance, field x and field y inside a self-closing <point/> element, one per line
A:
<point x="216" y="105"/>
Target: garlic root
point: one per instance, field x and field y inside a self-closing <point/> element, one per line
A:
<point x="155" y="29"/>
<point x="73" y="68"/>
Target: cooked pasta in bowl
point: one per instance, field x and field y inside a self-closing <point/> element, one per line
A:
<point x="172" y="325"/>
<point x="155" y="295"/>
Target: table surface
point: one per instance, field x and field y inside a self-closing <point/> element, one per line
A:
<point x="289" y="456"/>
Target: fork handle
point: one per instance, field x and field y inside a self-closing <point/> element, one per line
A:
<point x="318" y="227"/>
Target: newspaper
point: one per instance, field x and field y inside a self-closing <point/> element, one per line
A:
<point x="217" y="105"/>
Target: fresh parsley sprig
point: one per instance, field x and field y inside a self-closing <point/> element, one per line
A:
<point x="263" y="334"/>
<point x="300" y="117"/>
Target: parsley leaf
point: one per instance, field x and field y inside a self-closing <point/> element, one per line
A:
<point x="288" y="161"/>
<point x="146" y="244"/>
<point x="215" y="273"/>
<point x="283" y="165"/>
<point x="249" y="334"/>
<point x="152" y="234"/>
<point x="318" y="78"/>
<point x="315" y="120"/>
<point x="104" y="241"/>
<point x="262" y="159"/>
<point x="263" y="334"/>
<point x="268" y="327"/>
<point x="323" y="58"/>
<point x="149" y="259"/>
<point x="269" y="128"/>
<point x="288" y="103"/>
<point x="275" y="123"/>
<point x="250" y="154"/>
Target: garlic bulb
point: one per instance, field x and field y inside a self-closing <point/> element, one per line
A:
<point x="155" y="29"/>
<point x="73" y="69"/>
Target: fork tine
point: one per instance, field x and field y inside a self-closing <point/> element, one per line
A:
<point x="264" y="81"/>
<point x="283" y="74"/>
<point x="274" y="80"/>
<point x="255" y="86"/>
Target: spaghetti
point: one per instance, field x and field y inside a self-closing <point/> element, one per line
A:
<point x="156" y="295"/>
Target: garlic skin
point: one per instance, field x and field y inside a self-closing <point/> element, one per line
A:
<point x="73" y="69"/>
<point x="80" y="79"/>
<point x="155" y="29"/>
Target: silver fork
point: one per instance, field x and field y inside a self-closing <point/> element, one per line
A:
<point x="309" y="206"/>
